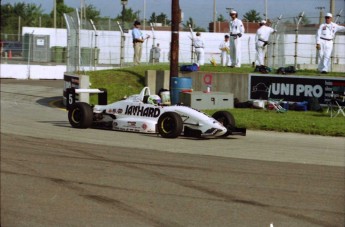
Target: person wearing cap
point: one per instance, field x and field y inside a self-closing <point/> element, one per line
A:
<point x="324" y="42"/>
<point x="225" y="51"/>
<point x="138" y="40"/>
<point x="236" y="32"/>
<point x="199" y="49"/>
<point x="261" y="41"/>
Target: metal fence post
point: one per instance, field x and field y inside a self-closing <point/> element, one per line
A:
<point x="122" y="49"/>
<point x="296" y="37"/>
<point x="275" y="40"/>
<point x="192" y="48"/>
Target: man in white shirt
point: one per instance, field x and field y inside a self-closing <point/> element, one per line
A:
<point x="199" y="49"/>
<point x="236" y="32"/>
<point x="261" y="41"/>
<point x="324" y="42"/>
<point x="225" y="51"/>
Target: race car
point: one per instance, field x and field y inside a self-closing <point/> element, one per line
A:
<point x="144" y="113"/>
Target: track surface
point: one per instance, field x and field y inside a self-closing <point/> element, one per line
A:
<point x="54" y="175"/>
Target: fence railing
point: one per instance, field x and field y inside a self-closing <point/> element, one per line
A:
<point x="86" y="46"/>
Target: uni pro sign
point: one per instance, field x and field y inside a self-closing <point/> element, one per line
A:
<point x="294" y="88"/>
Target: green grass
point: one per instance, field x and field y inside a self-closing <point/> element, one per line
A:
<point x="130" y="80"/>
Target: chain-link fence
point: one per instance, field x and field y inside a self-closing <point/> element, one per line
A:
<point x="85" y="46"/>
<point x="294" y="42"/>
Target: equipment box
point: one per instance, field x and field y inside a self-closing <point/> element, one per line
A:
<point x="203" y="101"/>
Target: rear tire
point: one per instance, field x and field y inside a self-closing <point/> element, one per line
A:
<point x="80" y="115"/>
<point x="226" y="119"/>
<point x="170" y="125"/>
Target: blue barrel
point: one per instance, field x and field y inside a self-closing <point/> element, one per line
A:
<point x="179" y="84"/>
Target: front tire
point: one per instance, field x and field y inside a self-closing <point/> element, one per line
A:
<point x="80" y="115"/>
<point x="226" y="119"/>
<point x="170" y="125"/>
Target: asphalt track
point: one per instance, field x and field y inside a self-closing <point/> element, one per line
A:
<point x="54" y="175"/>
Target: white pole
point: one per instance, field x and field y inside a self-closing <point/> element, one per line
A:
<point x="266" y="10"/>
<point x="144" y="14"/>
<point x="214" y="15"/>
<point x="54" y="13"/>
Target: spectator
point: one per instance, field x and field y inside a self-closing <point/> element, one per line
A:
<point x="138" y="40"/>
<point x="236" y="32"/>
<point x="324" y="42"/>
<point x="225" y="52"/>
<point x="261" y="41"/>
<point x="199" y="49"/>
<point x="157" y="53"/>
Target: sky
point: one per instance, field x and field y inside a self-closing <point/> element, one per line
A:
<point x="202" y="10"/>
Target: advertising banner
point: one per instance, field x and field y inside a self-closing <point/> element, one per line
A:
<point x="295" y="88"/>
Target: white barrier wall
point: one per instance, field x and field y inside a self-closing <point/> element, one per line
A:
<point x="109" y="44"/>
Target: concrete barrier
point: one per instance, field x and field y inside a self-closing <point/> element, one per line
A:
<point x="234" y="83"/>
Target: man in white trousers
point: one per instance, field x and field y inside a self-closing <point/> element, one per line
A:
<point x="225" y="51"/>
<point x="199" y="49"/>
<point x="261" y="41"/>
<point x="236" y="32"/>
<point x="324" y="42"/>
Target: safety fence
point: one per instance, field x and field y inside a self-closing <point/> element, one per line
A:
<point x="87" y="46"/>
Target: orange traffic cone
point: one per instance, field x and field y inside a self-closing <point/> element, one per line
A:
<point x="10" y="54"/>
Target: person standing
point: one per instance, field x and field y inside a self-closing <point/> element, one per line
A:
<point x="324" y="42"/>
<point x="157" y="53"/>
<point x="261" y="41"/>
<point x="138" y="40"/>
<point x="236" y="32"/>
<point x="199" y="49"/>
<point x="225" y="51"/>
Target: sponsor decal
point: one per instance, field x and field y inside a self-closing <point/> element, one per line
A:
<point x="120" y="111"/>
<point x="142" y="111"/>
<point x="131" y="123"/>
<point x="295" y="88"/>
<point x="144" y="126"/>
<point x="111" y="111"/>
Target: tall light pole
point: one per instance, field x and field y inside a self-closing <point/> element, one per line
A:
<point x="124" y="3"/>
<point x="321" y="13"/>
<point x="54" y="13"/>
<point x="266" y="10"/>
<point x="144" y="21"/>
<point x="214" y="15"/>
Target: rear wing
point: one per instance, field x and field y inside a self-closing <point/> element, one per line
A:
<point x="71" y="95"/>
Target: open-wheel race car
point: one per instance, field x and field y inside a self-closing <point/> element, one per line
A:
<point x="143" y="113"/>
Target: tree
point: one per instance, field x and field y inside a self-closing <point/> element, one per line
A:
<point x="60" y="10"/>
<point x="252" y="16"/>
<point x="161" y="18"/>
<point x="28" y="13"/>
<point x="92" y="13"/>
<point x="221" y="18"/>
<point x="129" y="15"/>
<point x="190" y="22"/>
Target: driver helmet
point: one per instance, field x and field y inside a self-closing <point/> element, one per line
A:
<point x="154" y="100"/>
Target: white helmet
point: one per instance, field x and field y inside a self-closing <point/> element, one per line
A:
<point x="154" y="100"/>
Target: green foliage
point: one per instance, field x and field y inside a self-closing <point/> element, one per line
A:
<point x="129" y="15"/>
<point x="29" y="16"/>
<point x="221" y="18"/>
<point x="252" y="16"/>
<point x="190" y="22"/>
<point x="161" y="18"/>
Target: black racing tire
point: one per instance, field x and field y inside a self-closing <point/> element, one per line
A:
<point x="170" y="125"/>
<point x="80" y="115"/>
<point x="226" y="119"/>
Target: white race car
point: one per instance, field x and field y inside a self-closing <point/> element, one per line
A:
<point x="143" y="113"/>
